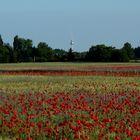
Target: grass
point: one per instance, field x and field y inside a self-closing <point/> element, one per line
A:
<point x="32" y="105"/>
<point x="89" y="107"/>
<point x="64" y="83"/>
<point x="62" y="66"/>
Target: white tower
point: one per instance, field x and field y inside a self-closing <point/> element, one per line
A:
<point x="72" y="44"/>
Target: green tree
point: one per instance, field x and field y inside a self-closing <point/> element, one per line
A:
<point x="10" y="54"/>
<point x="45" y="53"/>
<point x="59" y="55"/>
<point x="1" y="41"/>
<point x="4" y="54"/>
<point x="22" y="49"/>
<point x="99" y="53"/>
<point x="119" y="55"/>
<point x="128" y="50"/>
<point x="70" y="55"/>
<point x="137" y="52"/>
<point x="27" y="50"/>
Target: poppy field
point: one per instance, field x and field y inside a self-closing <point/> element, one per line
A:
<point x="36" y="106"/>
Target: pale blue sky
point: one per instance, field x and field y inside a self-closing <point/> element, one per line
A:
<point x="87" y="22"/>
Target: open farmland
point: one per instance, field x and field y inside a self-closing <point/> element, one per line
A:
<point x="72" y="69"/>
<point x="66" y="101"/>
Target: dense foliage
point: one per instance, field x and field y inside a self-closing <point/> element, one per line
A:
<point x="24" y="51"/>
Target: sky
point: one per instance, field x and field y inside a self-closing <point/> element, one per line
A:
<point x="86" y="22"/>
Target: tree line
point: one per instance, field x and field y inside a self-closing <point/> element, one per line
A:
<point x="23" y="50"/>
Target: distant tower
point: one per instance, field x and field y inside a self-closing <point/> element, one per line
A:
<point x="71" y="44"/>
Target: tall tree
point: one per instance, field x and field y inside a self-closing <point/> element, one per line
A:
<point x="59" y="55"/>
<point x="119" y="55"/>
<point x="10" y="57"/>
<point x="44" y="51"/>
<point x="99" y="53"/>
<point x="70" y="55"/>
<point x="1" y="41"/>
<point x="22" y="49"/>
<point x="137" y="52"/>
<point x="127" y="48"/>
<point x="4" y="52"/>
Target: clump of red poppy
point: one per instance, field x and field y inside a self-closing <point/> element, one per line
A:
<point x="70" y="116"/>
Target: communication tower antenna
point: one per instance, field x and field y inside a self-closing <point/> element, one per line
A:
<point x="72" y="42"/>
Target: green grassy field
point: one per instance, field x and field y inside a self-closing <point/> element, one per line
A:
<point x="65" y="83"/>
<point x="35" y="107"/>
<point x="62" y="66"/>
